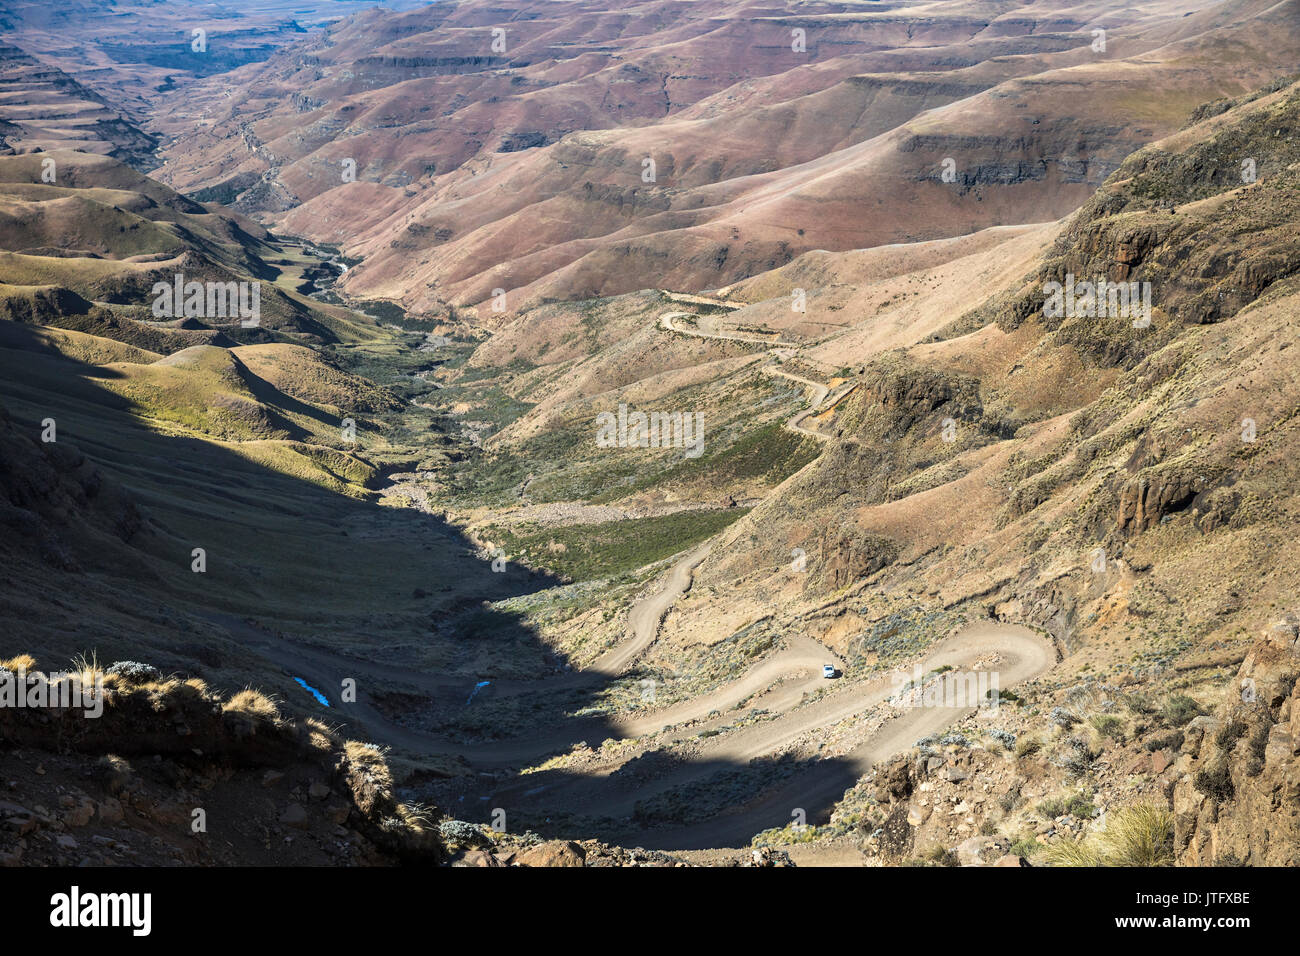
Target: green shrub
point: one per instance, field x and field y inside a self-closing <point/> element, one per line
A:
<point x="1051" y="809"/>
<point x="1230" y="733"/>
<point x="1180" y="710"/>
<point x="1258" y="744"/>
<point x="1108" y="725"/>
<point x="1026" y="847"/>
<point x="1080" y="806"/>
<point x="1172" y="741"/>
<point x="939" y="855"/>
<point x="1215" y="782"/>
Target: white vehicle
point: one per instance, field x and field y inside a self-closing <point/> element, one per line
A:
<point x="828" y="671"/>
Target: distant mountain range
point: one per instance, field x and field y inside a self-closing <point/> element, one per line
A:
<point x="594" y="151"/>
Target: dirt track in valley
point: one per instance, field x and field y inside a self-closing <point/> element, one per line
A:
<point x="820" y="392"/>
<point x="787" y="685"/>
<point x="780" y="685"/>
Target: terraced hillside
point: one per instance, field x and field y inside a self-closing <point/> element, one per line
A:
<point x="569" y="152"/>
<point x="42" y="107"/>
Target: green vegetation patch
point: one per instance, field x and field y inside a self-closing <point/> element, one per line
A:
<point x="769" y="453"/>
<point x="589" y="551"/>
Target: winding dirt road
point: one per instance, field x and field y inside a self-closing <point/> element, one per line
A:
<point x="1014" y="653"/>
<point x="647" y="614"/>
<point x="1022" y="655"/>
<point x="784" y="685"/>
<point x="821" y="394"/>
<point x="667" y="324"/>
<point x="787" y="687"/>
<point x="820" y="391"/>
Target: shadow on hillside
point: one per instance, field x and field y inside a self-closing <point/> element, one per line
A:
<point x="674" y="804"/>
<point x="286" y="554"/>
<point x="313" y="584"/>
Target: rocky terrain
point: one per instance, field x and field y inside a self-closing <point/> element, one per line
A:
<point x="1100" y="483"/>
<point x="131" y="50"/>
<point x="460" y="148"/>
<point x="142" y="783"/>
<point x="383" y="576"/>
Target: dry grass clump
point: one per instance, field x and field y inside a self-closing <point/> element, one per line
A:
<point x="317" y="735"/>
<point x="1027" y="746"/>
<point x="1138" y="835"/>
<point x="408" y="831"/>
<point x="116" y="773"/>
<point x="249" y="711"/>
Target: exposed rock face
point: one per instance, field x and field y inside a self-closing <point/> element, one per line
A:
<point x="142" y="812"/>
<point x="895" y="780"/>
<point x="1144" y="501"/>
<point x="1238" y="800"/>
<point x="900" y="395"/>
<point x="847" y="557"/>
<point x="1157" y="234"/>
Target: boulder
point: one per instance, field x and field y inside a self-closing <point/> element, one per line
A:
<point x="477" y="858"/>
<point x="295" y="816"/>
<point x="16" y="818"/>
<point x="554" y="853"/>
<point x="109" y="810"/>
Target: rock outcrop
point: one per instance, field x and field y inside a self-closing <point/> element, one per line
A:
<point x="1238" y="799"/>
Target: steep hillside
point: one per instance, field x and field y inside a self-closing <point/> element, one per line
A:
<point x="904" y="473"/>
<point x="109" y="235"/>
<point x="1122" y="482"/>
<point x="130" y="50"/>
<point x="41" y="107"/>
<point x="455" y="171"/>
<point x="1153" y="444"/>
<point x="168" y="496"/>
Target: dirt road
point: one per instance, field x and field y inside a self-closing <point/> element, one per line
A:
<point x="787" y="686"/>
<point x="820" y="391"/>
<point x="666" y="322"/>
<point x="647" y="614"/>
<point x="781" y="685"/>
<point x="819" y="397"/>
<point x="1022" y="654"/>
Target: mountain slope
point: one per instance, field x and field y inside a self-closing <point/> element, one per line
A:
<point x="1126" y="489"/>
<point x="480" y="191"/>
